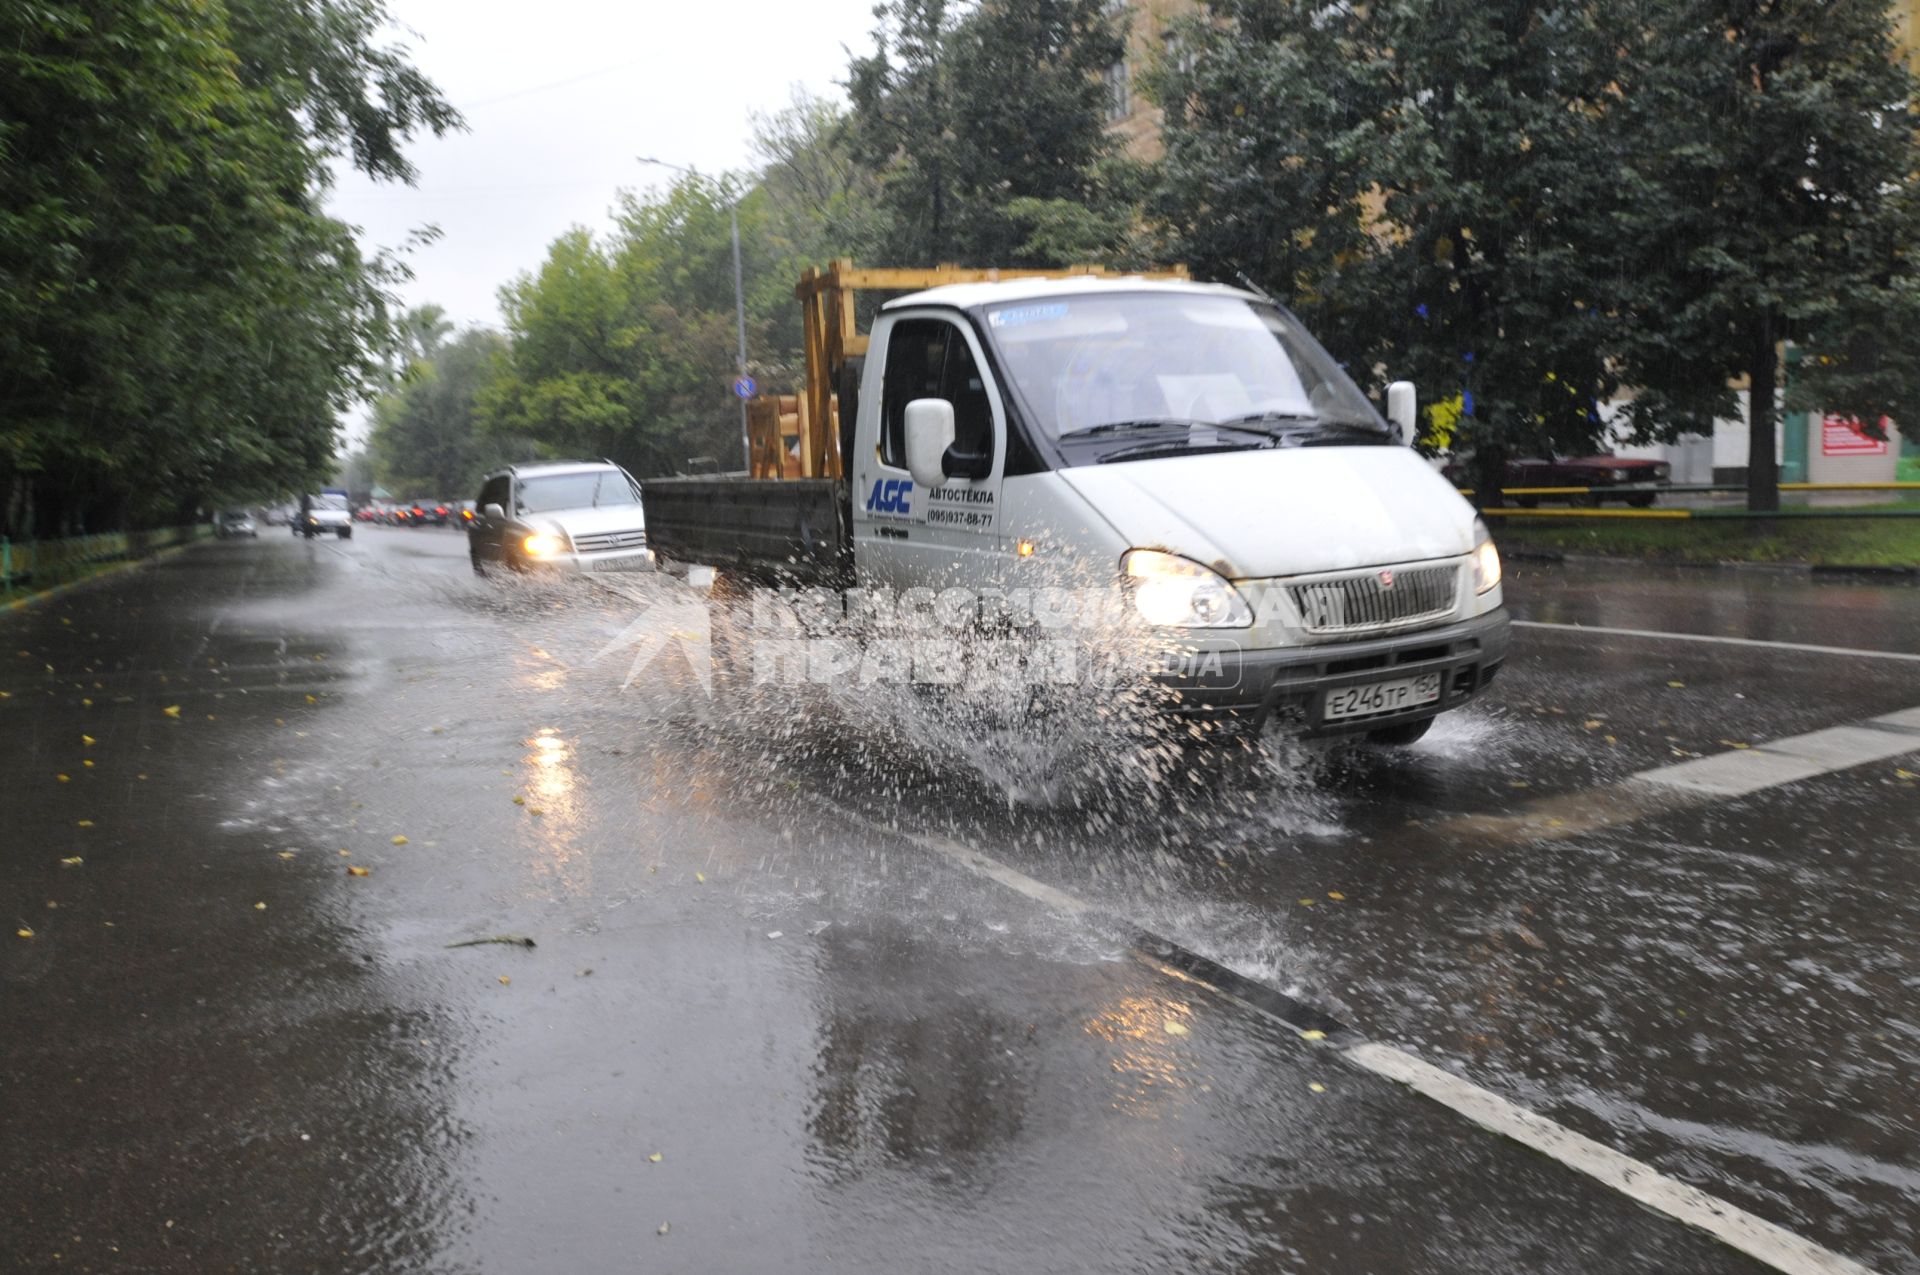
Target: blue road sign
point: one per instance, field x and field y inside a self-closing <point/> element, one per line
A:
<point x="745" y="387"/>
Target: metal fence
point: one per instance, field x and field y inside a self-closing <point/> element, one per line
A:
<point x="40" y="564"/>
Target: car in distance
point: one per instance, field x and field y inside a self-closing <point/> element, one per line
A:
<point x="565" y="515"/>
<point x="1638" y="480"/>
<point x="323" y="513"/>
<point x="229" y="524"/>
<point x="428" y="513"/>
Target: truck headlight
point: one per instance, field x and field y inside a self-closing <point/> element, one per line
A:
<point x="543" y="545"/>
<point x="1180" y="593"/>
<point x="1486" y="558"/>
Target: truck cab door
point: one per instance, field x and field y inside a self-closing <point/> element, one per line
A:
<point x="905" y="535"/>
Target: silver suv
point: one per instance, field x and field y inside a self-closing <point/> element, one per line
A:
<point x="566" y="514"/>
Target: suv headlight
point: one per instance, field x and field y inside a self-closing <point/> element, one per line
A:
<point x="1486" y="558"/>
<point x="1180" y="593"/>
<point x="542" y="544"/>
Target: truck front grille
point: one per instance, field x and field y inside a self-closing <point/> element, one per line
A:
<point x="1371" y="601"/>
<point x="602" y="541"/>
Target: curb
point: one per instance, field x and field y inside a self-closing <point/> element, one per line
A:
<point x="1839" y="572"/>
<point x="104" y="573"/>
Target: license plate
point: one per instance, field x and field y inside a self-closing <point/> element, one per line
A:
<point x="1381" y="697"/>
<point x="638" y="562"/>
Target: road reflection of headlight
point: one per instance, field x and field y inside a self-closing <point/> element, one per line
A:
<point x="542" y="545"/>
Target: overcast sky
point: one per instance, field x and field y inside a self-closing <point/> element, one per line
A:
<point x="560" y="96"/>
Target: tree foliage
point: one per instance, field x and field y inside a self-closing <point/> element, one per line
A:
<point x="177" y="319"/>
<point x="981" y="120"/>
<point x="425" y="440"/>
<point x="1530" y="206"/>
<point x="1767" y="196"/>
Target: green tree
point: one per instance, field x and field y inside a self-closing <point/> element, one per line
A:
<point x="426" y="438"/>
<point x="965" y="110"/>
<point x="177" y="319"/>
<point x="624" y="348"/>
<point x="1429" y="188"/>
<point x="1769" y="165"/>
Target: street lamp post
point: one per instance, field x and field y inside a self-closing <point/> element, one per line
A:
<point x="739" y="304"/>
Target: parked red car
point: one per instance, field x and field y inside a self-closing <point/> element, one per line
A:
<point x="1636" y="476"/>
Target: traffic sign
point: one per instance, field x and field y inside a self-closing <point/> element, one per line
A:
<point x="745" y="387"/>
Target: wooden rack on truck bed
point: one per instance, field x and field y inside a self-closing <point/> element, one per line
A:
<point x="798" y="435"/>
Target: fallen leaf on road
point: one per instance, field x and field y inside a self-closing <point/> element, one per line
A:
<point x="73" y="861"/>
<point x="24" y="932"/>
<point x="505" y="981"/>
<point x="1306" y="903"/>
<point x="656" y="1157"/>
<point x="1735" y="743"/>
<point x="259" y="907"/>
<point x="1336" y="896"/>
<point x="1174" y="1029"/>
<point x="1518" y="783"/>
<point x="536" y="813"/>
<point x="1593" y="723"/>
<point x="355" y="870"/>
<point x="1528" y="937"/>
<point x="399" y="839"/>
<point x="83" y="823"/>
<point x="86" y="739"/>
<point x="1313" y="1035"/>
<point x="1678" y="686"/>
<point x="1905" y="774"/>
<point x="286" y="854"/>
<point x="87" y="764"/>
<point x="664" y="1226"/>
<point x="312" y="699"/>
<point x="172" y="710"/>
<point x="512" y="940"/>
<point x="1317" y="1087"/>
<point x="65" y="779"/>
<point x="700" y="877"/>
<point x="86" y="703"/>
<point x="519" y="801"/>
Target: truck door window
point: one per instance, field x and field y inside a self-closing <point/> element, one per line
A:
<point x="916" y="355"/>
<point x="962" y="385"/>
<point x="493" y="492"/>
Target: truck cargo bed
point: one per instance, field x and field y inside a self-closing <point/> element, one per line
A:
<point x="787" y="530"/>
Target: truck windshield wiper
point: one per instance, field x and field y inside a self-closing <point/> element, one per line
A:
<point x="1156" y="423"/>
<point x="1303" y="425"/>
<point x="1185" y="447"/>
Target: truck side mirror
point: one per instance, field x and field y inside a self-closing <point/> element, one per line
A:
<point x="929" y="434"/>
<point x="493" y="511"/>
<point x="1402" y="407"/>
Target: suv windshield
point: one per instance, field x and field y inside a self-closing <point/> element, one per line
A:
<point x="1105" y="370"/>
<point x="585" y="489"/>
<point x="327" y="500"/>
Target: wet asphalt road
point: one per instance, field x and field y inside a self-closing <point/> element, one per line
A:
<point x="225" y="1051"/>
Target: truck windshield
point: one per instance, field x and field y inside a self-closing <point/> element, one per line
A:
<point x="585" y="490"/>
<point x="1098" y="372"/>
<point x="327" y="500"/>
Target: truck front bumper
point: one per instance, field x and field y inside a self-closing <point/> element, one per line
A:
<point x="1289" y="685"/>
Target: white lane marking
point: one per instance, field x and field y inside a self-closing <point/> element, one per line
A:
<point x="1712" y="637"/>
<point x="1796" y="757"/>
<point x="1757" y="1238"/>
